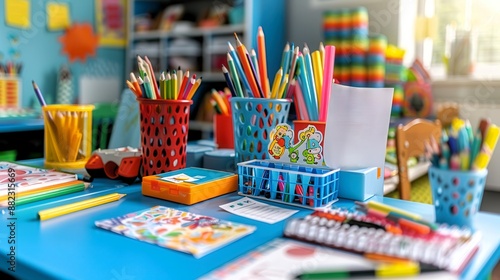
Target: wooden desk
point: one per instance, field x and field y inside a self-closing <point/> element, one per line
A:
<point x="72" y="247"/>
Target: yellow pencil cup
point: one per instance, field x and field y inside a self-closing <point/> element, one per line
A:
<point x="68" y="136"/>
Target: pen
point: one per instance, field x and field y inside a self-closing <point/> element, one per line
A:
<point x="384" y="270"/>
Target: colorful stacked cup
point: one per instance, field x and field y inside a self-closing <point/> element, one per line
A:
<point x="375" y="60"/>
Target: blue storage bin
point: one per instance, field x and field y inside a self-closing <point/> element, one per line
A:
<point x="292" y="184"/>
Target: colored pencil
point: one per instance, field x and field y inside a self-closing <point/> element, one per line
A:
<point x="78" y="206"/>
<point x="245" y="64"/>
<point x="261" y="47"/>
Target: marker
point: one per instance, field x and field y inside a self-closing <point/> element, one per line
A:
<point x="386" y="270"/>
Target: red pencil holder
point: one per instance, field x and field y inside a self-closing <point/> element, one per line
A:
<point x="223" y="131"/>
<point x="164" y="134"/>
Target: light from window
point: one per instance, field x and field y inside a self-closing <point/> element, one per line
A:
<point x="454" y="17"/>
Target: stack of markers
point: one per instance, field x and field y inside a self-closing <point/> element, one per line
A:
<point x="462" y="149"/>
<point x="300" y="75"/>
<point x="172" y="85"/>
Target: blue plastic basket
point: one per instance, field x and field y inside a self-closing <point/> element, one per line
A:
<point x="293" y="184"/>
<point x="456" y="194"/>
<point x="253" y="120"/>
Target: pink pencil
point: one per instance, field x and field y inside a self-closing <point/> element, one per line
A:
<point x="299" y="98"/>
<point x="328" y="80"/>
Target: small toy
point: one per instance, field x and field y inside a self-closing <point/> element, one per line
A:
<point x="120" y="163"/>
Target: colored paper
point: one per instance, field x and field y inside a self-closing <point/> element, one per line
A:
<point x="259" y="211"/>
<point x="17" y="13"/>
<point x="357" y="127"/>
<point x="58" y="16"/>
<point x="79" y="42"/>
<point x="182" y="231"/>
<point x="111" y="22"/>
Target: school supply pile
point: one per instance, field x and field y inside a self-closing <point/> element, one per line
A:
<point x="182" y="231"/>
<point x="21" y="184"/>
<point x="388" y="232"/>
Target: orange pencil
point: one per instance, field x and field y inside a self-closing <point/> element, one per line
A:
<point x="241" y="50"/>
<point x="135" y="83"/>
<point x="220" y="102"/>
<point x="133" y="89"/>
<point x="261" y="47"/>
<point x="194" y="88"/>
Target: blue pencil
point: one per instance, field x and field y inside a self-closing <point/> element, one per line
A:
<point x="241" y="73"/>
<point x="228" y="80"/>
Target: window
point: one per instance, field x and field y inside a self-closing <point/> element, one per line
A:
<point x="455" y="19"/>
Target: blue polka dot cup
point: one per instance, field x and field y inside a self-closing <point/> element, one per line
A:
<point x="456" y="195"/>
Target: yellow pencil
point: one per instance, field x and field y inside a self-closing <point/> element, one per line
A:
<point x="77" y="206"/>
<point x="318" y="73"/>
<point x="281" y="89"/>
<point x="276" y="82"/>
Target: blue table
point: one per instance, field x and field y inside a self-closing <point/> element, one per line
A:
<point x="72" y="247"/>
<point x="21" y="124"/>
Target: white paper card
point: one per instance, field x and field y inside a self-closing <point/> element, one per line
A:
<point x="259" y="211"/>
<point x="357" y="127"/>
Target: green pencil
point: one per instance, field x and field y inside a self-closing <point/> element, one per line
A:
<point x="50" y="194"/>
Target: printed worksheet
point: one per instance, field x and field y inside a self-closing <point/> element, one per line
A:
<point x="259" y="211"/>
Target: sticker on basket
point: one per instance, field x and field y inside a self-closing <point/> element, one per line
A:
<point x="307" y="150"/>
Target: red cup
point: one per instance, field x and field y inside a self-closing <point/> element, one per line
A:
<point x="164" y="134"/>
<point x="224" y="131"/>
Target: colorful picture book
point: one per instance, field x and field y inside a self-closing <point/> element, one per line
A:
<point x="171" y="228"/>
<point x="26" y="178"/>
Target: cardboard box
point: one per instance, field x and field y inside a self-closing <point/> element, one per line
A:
<point x="189" y="185"/>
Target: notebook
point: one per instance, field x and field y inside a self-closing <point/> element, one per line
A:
<point x="182" y="231"/>
<point x="23" y="178"/>
<point x="447" y="247"/>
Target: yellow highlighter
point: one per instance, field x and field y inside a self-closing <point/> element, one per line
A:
<point x="489" y="143"/>
<point x="77" y="206"/>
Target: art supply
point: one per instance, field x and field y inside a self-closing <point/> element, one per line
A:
<point x="252" y="209"/>
<point x="402" y="269"/>
<point x="78" y="206"/>
<point x="457" y="195"/>
<point x="177" y="230"/>
<point x="447" y="247"/>
<point x="30" y="180"/>
<point x="164" y="125"/>
<point x="286" y="183"/>
<point x="462" y="150"/>
<point x="253" y="120"/>
<point x="284" y="258"/>
<point x="175" y="85"/>
<point x="51" y="194"/>
<point x="68" y="140"/>
<point x="189" y="185"/>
